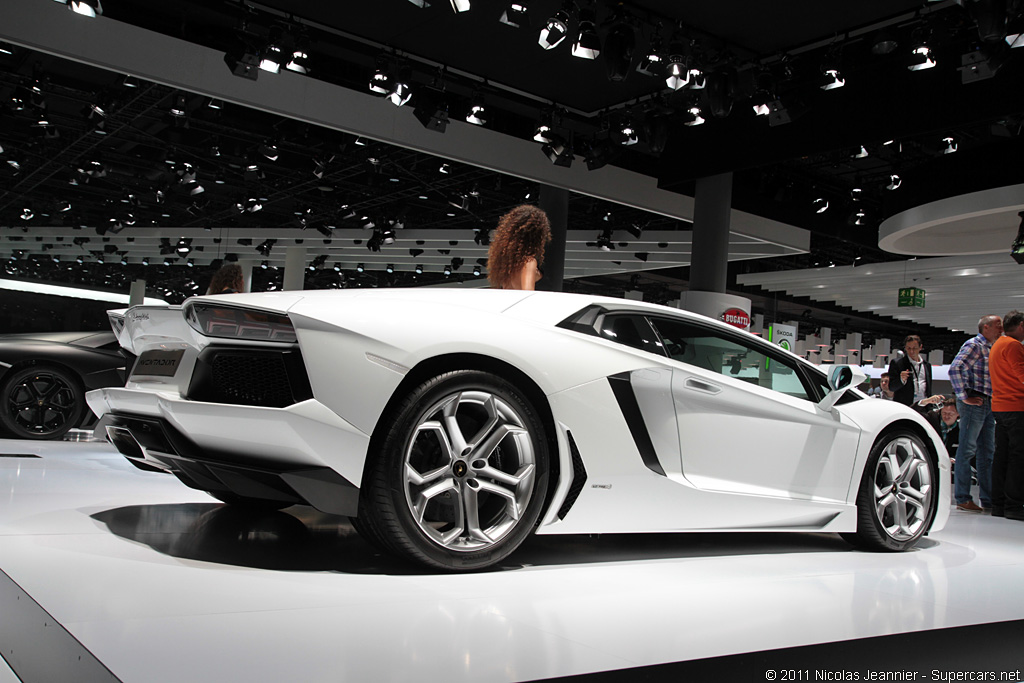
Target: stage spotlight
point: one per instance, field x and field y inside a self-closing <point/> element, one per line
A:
<point x="820" y="205"/>
<point x="693" y="116"/>
<point x="178" y="109"/>
<point x="87" y="8"/>
<point x="677" y="71"/>
<point x="557" y="27"/>
<point x="597" y="154"/>
<point x="629" y="133"/>
<point x="951" y="145"/>
<point x="653" y="61"/>
<point x="432" y="110"/>
<point x="832" y="79"/>
<point x="299" y="61"/>
<point x="894" y="182"/>
<point x="272" y="57"/>
<point x="515" y="15"/>
<point x="380" y="82"/>
<point x="587" y="44"/>
<point x="477" y="111"/>
<point x="400" y="91"/>
<point x="559" y="151"/>
<point x="921" y="58"/>
<point x="269" y="150"/>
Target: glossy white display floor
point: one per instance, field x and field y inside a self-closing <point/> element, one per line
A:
<point x="160" y="583"/>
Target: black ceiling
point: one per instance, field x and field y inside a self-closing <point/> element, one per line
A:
<point x="778" y="169"/>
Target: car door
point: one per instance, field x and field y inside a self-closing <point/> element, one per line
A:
<point x="748" y="418"/>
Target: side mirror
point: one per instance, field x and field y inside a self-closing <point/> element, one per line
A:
<point x="841" y="378"/>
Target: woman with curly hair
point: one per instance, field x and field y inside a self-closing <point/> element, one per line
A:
<point x="517" y="248"/>
<point x="227" y="280"/>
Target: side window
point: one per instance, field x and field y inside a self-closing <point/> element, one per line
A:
<point x="728" y="356"/>
<point x="629" y="330"/>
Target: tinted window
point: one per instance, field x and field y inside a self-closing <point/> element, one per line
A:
<point x="732" y="357"/>
<point x="630" y="330"/>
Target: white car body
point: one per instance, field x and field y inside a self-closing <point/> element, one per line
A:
<point x="724" y="454"/>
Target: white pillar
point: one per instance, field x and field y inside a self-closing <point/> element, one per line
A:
<point x="881" y="350"/>
<point x="757" y="325"/>
<point x="852" y="348"/>
<point x="137" y="293"/>
<point x="295" y="269"/>
<point x="247" y="265"/>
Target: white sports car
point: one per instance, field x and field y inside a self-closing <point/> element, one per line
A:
<point x="451" y="424"/>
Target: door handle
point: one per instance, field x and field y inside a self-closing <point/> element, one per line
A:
<point x="699" y="385"/>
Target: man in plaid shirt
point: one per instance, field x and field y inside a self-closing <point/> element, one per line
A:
<point x="969" y="375"/>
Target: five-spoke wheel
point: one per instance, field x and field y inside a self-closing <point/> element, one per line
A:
<point x="40" y="403"/>
<point x="462" y="475"/>
<point x="898" y="494"/>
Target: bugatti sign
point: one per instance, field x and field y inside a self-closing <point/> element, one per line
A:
<point x="737" y="317"/>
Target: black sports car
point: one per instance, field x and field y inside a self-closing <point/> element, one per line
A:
<point x="44" y="377"/>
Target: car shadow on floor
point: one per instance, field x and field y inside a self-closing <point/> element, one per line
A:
<point x="303" y="539"/>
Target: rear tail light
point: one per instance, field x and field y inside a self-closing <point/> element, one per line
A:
<point x="214" y="320"/>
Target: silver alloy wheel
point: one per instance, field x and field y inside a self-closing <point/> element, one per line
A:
<point x="903" y="489"/>
<point x="469" y="471"/>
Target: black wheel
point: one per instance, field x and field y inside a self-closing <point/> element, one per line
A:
<point x="898" y="494"/>
<point x="40" y="402"/>
<point x="235" y="500"/>
<point x="461" y="476"/>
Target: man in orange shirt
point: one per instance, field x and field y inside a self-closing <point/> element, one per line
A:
<point x="1006" y="370"/>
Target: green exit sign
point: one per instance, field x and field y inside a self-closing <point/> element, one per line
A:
<point x="911" y="296"/>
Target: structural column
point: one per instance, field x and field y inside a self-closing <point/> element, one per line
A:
<point x="295" y="269"/>
<point x="555" y="203"/>
<point x="137" y="293"/>
<point x="711" y="209"/>
<point x="247" y="265"/>
<point x="709" y="260"/>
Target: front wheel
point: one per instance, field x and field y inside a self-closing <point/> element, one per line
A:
<point x="40" y="402"/>
<point x="462" y="474"/>
<point x="898" y="494"/>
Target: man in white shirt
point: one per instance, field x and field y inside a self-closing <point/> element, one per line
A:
<point x="910" y="376"/>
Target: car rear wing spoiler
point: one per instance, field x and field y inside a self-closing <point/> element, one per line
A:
<point x="125" y="322"/>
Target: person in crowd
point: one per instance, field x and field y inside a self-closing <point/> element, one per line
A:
<point x="969" y="376"/>
<point x="910" y="375"/>
<point x="946" y="421"/>
<point x="227" y="280"/>
<point x="883" y="386"/>
<point x="517" y="248"/>
<point x="1006" y="371"/>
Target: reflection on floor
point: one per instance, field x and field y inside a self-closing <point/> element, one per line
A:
<point x="162" y="583"/>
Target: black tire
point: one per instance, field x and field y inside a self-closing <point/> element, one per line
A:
<point x="898" y="494"/>
<point x="243" y="502"/>
<point x="462" y="474"/>
<point x="40" y="402"/>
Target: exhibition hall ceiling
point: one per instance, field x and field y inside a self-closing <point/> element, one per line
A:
<point x="109" y="159"/>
